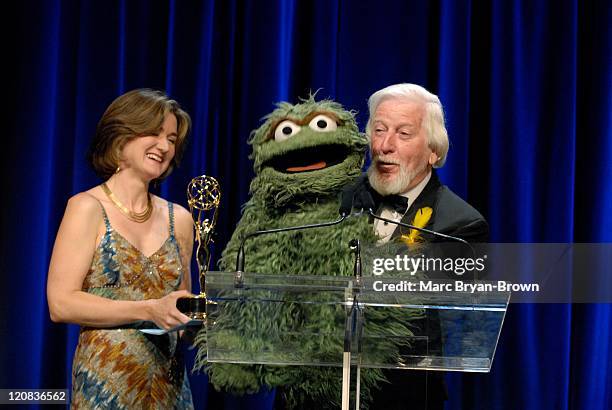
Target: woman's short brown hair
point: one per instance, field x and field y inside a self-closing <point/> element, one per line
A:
<point x="136" y="113"/>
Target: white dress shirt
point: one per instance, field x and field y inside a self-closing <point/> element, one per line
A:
<point x="384" y="229"/>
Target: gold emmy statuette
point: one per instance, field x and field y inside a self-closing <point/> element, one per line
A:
<point x="203" y="197"/>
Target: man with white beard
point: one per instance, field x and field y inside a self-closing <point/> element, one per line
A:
<point x="408" y="140"/>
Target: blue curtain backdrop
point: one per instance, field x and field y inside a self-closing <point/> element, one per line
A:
<point x="527" y="88"/>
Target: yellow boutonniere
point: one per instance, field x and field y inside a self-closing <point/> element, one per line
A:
<point x="421" y="218"/>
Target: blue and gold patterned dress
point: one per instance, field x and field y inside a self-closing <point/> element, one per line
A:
<point x="123" y="368"/>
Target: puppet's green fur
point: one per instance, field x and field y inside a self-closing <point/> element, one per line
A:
<point x="282" y="199"/>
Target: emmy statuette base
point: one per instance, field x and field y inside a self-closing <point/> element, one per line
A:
<point x="194" y="306"/>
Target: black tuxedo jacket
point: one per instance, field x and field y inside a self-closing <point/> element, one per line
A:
<point x="451" y="214"/>
<point x="426" y="390"/>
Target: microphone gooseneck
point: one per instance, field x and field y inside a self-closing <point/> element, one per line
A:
<point x="240" y="257"/>
<point x="363" y="200"/>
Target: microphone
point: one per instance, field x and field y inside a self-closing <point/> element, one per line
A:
<point x="240" y="258"/>
<point x="363" y="200"/>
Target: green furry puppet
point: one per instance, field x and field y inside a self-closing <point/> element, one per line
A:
<point x="303" y="155"/>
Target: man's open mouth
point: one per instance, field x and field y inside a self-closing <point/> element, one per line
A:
<point x="309" y="159"/>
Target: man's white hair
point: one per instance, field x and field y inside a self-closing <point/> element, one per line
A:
<point x="437" y="136"/>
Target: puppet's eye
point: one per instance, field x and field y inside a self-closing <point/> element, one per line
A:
<point x="323" y="123"/>
<point x="285" y="130"/>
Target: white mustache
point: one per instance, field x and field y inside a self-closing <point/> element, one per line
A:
<point x="387" y="160"/>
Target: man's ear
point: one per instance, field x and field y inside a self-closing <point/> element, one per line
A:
<point x="433" y="158"/>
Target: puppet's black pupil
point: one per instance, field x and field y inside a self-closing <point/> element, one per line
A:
<point x="321" y="123"/>
<point x="287" y="130"/>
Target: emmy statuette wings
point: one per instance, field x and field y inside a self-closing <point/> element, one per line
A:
<point x="203" y="198"/>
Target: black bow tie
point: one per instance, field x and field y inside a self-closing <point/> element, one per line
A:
<point x="396" y="202"/>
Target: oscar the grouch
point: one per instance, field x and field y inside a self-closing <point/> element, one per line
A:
<point x="304" y="154"/>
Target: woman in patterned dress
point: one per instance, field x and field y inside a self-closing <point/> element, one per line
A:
<point x="121" y="259"/>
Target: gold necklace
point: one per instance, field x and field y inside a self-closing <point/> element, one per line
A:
<point x="133" y="216"/>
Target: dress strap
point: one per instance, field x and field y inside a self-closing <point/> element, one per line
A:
<point x="171" y="217"/>
<point x="105" y="216"/>
<point x="173" y="238"/>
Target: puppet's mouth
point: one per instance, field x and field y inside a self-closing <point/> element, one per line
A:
<point x="309" y="159"/>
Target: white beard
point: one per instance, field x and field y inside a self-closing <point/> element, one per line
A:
<point x="398" y="184"/>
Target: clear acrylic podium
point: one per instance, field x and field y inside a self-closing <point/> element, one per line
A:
<point x="353" y="323"/>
